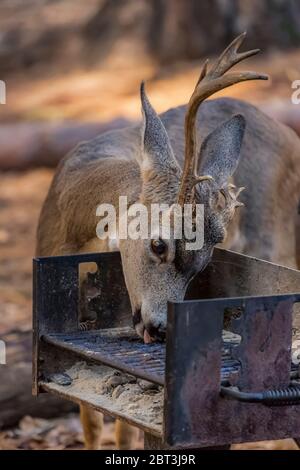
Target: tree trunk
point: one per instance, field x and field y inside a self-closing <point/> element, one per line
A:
<point x="187" y="29"/>
<point x="27" y="145"/>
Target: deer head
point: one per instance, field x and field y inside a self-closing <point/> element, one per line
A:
<point x="156" y="269"/>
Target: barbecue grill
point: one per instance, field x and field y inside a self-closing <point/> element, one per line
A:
<point x="227" y="372"/>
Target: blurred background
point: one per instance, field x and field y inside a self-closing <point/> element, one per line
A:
<point x="72" y="69"/>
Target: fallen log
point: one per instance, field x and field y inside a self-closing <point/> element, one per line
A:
<point x="27" y="145"/>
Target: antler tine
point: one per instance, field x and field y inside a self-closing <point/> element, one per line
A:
<point x="231" y="57"/>
<point x="231" y="194"/>
<point x="203" y="72"/>
<point x="209" y="83"/>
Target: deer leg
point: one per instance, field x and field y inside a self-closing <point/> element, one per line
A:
<point x="92" y="423"/>
<point x="126" y="435"/>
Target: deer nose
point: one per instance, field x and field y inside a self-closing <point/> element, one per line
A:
<point x="156" y="332"/>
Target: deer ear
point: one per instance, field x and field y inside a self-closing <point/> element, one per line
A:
<point x="220" y="151"/>
<point x="157" y="153"/>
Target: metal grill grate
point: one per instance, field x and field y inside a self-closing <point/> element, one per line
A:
<point x="123" y="350"/>
<point x="118" y="348"/>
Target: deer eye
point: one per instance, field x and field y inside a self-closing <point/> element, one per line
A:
<point x="159" y="247"/>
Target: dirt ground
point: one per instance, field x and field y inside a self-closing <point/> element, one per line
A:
<point x="100" y="94"/>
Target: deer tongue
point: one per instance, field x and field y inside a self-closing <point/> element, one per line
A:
<point x="147" y="337"/>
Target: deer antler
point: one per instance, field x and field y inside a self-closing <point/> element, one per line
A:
<point x="230" y="194"/>
<point x="209" y="83"/>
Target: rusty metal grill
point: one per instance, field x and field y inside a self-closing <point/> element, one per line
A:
<point x="122" y="349"/>
<point x="257" y="300"/>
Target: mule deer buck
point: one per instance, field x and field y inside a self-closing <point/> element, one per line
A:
<point x="183" y="156"/>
